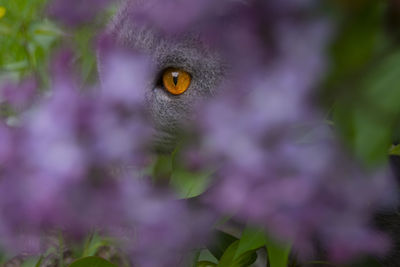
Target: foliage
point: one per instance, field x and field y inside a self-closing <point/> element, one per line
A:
<point x="92" y="262"/>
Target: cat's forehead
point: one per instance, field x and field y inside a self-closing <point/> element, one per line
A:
<point x="129" y="33"/>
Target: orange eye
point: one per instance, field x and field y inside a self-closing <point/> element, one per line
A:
<point x="176" y="81"/>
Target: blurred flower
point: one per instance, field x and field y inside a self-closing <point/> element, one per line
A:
<point x="75" y="13"/>
<point x="305" y="191"/>
<point x="19" y="96"/>
<point x="278" y="165"/>
<point x="132" y="70"/>
<point x="175" y="16"/>
<point x="55" y="169"/>
<point x="179" y="16"/>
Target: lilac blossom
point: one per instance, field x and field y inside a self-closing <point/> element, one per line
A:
<point x="278" y="165"/>
<point x="300" y="191"/>
<point x="19" y="96"/>
<point x="179" y="16"/>
<point x="56" y="170"/>
<point x="75" y="13"/>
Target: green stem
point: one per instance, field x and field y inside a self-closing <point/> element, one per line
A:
<point x="61" y="250"/>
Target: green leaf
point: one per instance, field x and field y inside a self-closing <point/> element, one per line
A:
<point x="228" y="259"/>
<point x="377" y="111"/>
<point x="44" y="33"/>
<point x="359" y="36"/>
<point x="206" y="255"/>
<point x="251" y="239"/>
<point x="278" y="253"/>
<point x="39" y="262"/>
<point x="17" y="66"/>
<point x="394" y="150"/>
<point x="221" y="243"/>
<point x="32" y="262"/>
<point x="382" y="85"/>
<point x="364" y="81"/>
<point x="205" y="264"/>
<point x="229" y="255"/>
<point x="162" y="168"/>
<point x="372" y="137"/>
<point x="92" y="262"/>
<point x="5" y="29"/>
<point x="93" y="243"/>
<point x="190" y="184"/>
<point x="367" y="117"/>
<point x="246" y="259"/>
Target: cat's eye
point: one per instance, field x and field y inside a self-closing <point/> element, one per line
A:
<point x="176" y="81"/>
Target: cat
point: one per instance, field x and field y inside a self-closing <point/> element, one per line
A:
<point x="186" y="53"/>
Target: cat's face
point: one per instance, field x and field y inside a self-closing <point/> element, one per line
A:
<point x="186" y="54"/>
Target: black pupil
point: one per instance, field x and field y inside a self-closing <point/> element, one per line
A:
<point x="175" y="77"/>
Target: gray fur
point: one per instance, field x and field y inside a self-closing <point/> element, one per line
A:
<point x="187" y="52"/>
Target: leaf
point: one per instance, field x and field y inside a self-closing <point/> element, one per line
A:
<point x="205" y="255"/>
<point x="229" y="255"/>
<point x="251" y="239"/>
<point x="205" y="264"/>
<point x="5" y="29"/>
<point x="44" y="33"/>
<point x="382" y="84"/>
<point x="358" y="38"/>
<point x="16" y="66"/>
<point x="245" y="259"/>
<point x="92" y="262"/>
<point x="93" y="243"/>
<point x="363" y="83"/>
<point x="32" y="262"/>
<point x="221" y="243"/>
<point x="394" y="150"/>
<point x="369" y="122"/>
<point x="372" y="138"/>
<point x="378" y="110"/>
<point x="162" y="168"/>
<point x="190" y="184"/>
<point x="278" y="253"/>
<point x="39" y="262"/>
<point x="228" y="259"/>
<point x="86" y="56"/>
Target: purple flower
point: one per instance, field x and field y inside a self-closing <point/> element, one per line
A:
<point x="19" y="96"/>
<point x="56" y="170"/>
<point x="178" y="16"/>
<point x="175" y="16"/>
<point x="278" y="165"/>
<point x="305" y="191"/>
<point x="125" y="74"/>
<point x="75" y="13"/>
